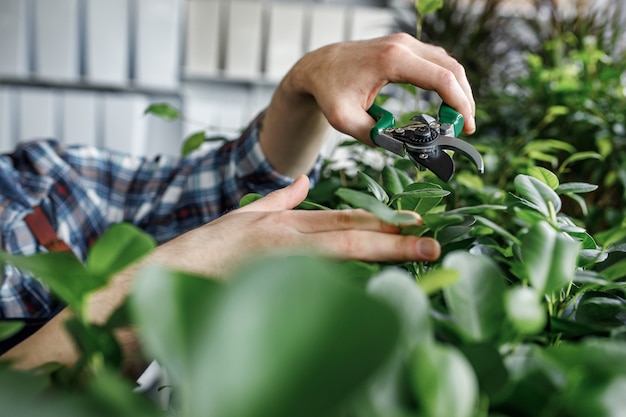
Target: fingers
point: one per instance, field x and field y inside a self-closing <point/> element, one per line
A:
<point x="432" y="68"/>
<point x="371" y="246"/>
<point x="338" y="220"/>
<point x="398" y="58"/>
<point x="282" y="199"/>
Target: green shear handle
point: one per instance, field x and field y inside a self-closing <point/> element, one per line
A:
<point x="425" y="141"/>
<point x="385" y="119"/>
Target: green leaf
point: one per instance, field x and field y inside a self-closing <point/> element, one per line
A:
<point x="476" y="299"/>
<point x="358" y="199"/>
<point x="309" y="205"/>
<point x="420" y="197"/>
<point x="615" y="272"/>
<point x="172" y="310"/>
<point x="579" y="156"/>
<point x="9" y="328"/>
<point x="612" y="236"/>
<point x="62" y="272"/>
<point x="524" y="309"/>
<point x="375" y="188"/>
<point x="22" y="392"/>
<point x="164" y="111"/>
<point x="497" y="229"/>
<point x="549" y="258"/>
<point x="399" y="290"/>
<point x="94" y="340"/>
<point x="439" y="221"/>
<point x="444" y="382"/>
<point x="488" y="366"/>
<point x="576" y="187"/>
<point x="192" y="142"/>
<point x="545" y="176"/>
<point x="438" y="279"/>
<point x="120" y="246"/>
<point x="600" y="308"/>
<point x="285" y="337"/>
<point x="548" y="145"/>
<point x="425" y="7"/>
<point x="478" y="209"/>
<point x="391" y="180"/>
<point x="249" y="198"/>
<point x="538" y="194"/>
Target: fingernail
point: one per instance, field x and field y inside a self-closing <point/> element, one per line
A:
<point x="428" y="248"/>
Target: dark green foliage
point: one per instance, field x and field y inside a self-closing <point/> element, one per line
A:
<point x="523" y="315"/>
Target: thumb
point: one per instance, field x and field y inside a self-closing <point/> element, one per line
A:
<point x="283" y="199"/>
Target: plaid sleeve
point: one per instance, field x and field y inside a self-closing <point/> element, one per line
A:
<point x="167" y="195"/>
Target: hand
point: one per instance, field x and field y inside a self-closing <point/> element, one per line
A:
<point x="269" y="225"/>
<point x="338" y="84"/>
<point x="220" y="246"/>
<point x="345" y="78"/>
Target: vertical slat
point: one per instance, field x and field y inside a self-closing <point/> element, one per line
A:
<point x="243" y="42"/>
<point x="79" y="121"/>
<point x="202" y="50"/>
<point x="163" y="137"/>
<point x="57" y="40"/>
<point x="13" y="39"/>
<point x="107" y="36"/>
<point x="328" y="25"/>
<point x="157" y="49"/>
<point x="285" y="43"/>
<point x="37" y="113"/>
<point x="217" y="108"/>
<point x="7" y="119"/>
<point x="124" y="126"/>
<point x="370" y="22"/>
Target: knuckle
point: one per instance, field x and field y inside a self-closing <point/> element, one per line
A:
<point x="351" y="245"/>
<point x="337" y="117"/>
<point x="439" y="50"/>
<point x="446" y="78"/>
<point x="343" y="218"/>
<point x="402" y="37"/>
<point x="392" y="50"/>
<point x="456" y="67"/>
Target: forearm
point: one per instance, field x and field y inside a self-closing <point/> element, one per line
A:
<point x="294" y="128"/>
<point x="52" y="343"/>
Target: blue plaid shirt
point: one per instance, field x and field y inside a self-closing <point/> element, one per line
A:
<point x="83" y="191"/>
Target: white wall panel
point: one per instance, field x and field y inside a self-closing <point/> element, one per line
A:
<point x="107" y="42"/>
<point x="163" y="137"/>
<point x="328" y="25"/>
<point x="217" y="108"/>
<point x="370" y="22"/>
<point x="285" y="44"/>
<point x="57" y="39"/>
<point x="80" y="118"/>
<point x="7" y="119"/>
<point x="202" y="52"/>
<point x="244" y="39"/>
<point x="157" y="49"/>
<point x="37" y="113"/>
<point x="13" y="38"/>
<point x="124" y="126"/>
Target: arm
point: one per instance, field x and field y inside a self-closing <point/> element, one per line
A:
<point x="350" y="234"/>
<point x="337" y="84"/>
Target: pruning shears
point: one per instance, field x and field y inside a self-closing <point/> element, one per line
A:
<point x="425" y="140"/>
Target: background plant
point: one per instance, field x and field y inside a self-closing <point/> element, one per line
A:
<point x="522" y="316"/>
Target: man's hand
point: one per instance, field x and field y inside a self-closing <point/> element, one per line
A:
<point x="338" y="83"/>
<point x="269" y="225"/>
